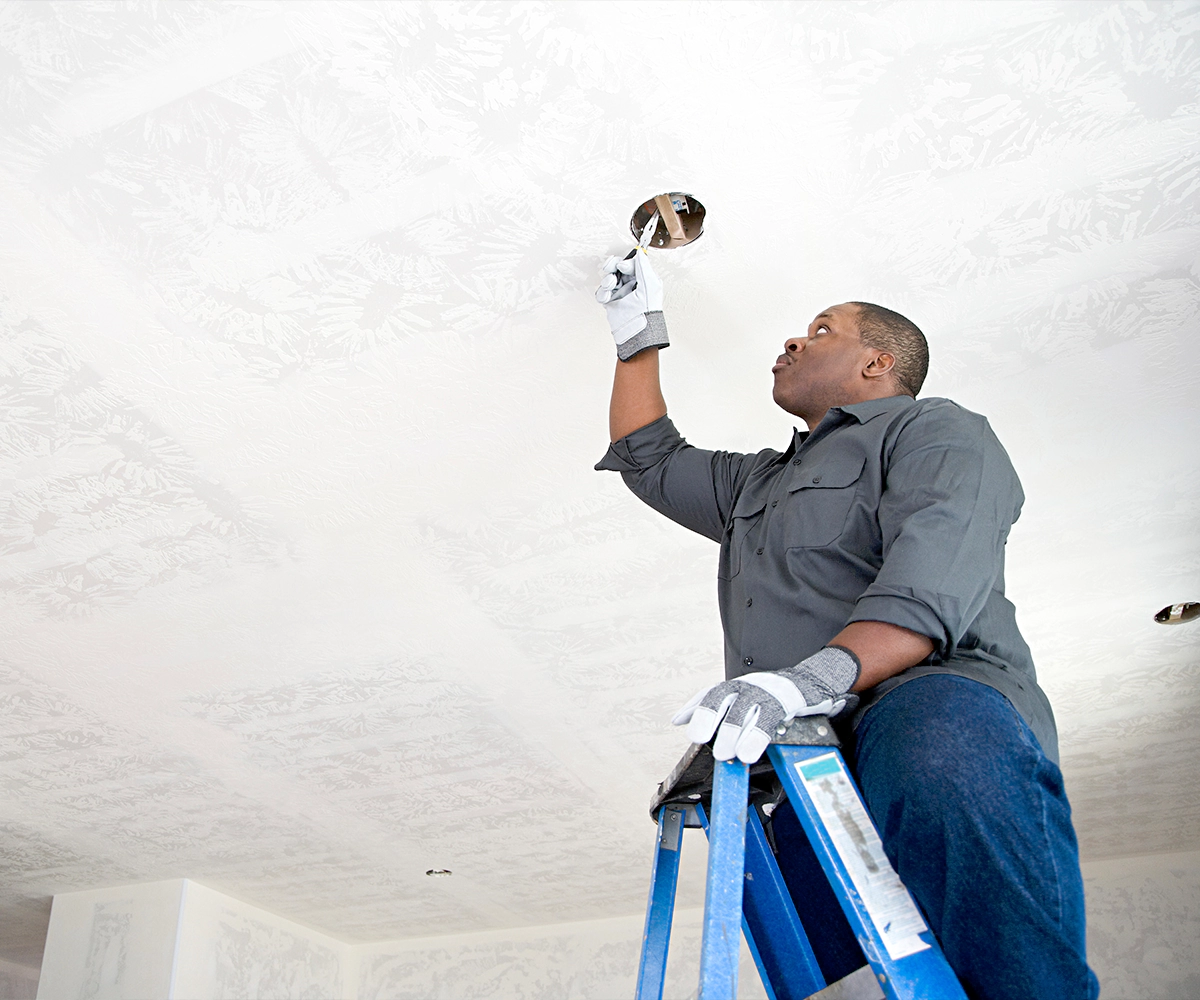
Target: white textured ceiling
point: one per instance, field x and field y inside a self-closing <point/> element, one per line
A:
<point x="307" y="583"/>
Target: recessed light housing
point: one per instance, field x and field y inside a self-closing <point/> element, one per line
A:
<point x="1177" y="614"/>
<point x="439" y="872"/>
<point x="680" y="220"/>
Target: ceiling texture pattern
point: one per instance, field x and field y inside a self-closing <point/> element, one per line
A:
<point x="307" y="584"/>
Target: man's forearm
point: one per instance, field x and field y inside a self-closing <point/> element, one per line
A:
<point x="637" y="398"/>
<point x="883" y="650"/>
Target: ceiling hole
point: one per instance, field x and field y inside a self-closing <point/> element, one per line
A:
<point x="680" y="220"/>
<point x="439" y="872"/>
<point x="1177" y="614"/>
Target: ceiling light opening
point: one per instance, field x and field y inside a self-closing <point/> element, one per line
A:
<point x="439" y="872"/>
<point x="1177" y="614"/>
<point x="680" y="220"/>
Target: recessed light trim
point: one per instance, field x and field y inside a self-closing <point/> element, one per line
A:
<point x="1178" y="614"/>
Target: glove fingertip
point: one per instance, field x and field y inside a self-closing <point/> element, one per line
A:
<point x="726" y="744"/>
<point x="751" y="745"/>
<point x="702" y="725"/>
<point x="689" y="707"/>
<point x="848" y="702"/>
<point x="683" y="716"/>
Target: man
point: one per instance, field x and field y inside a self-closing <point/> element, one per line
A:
<point x="861" y="572"/>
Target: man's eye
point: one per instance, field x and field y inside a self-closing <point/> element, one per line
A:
<point x="822" y="329"/>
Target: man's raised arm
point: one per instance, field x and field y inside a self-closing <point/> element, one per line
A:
<point x="632" y="296"/>
<point x="692" y="486"/>
<point x="637" y="398"/>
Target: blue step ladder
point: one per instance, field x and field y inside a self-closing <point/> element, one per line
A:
<point x="746" y="892"/>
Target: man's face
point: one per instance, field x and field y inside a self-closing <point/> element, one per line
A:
<point x="814" y="372"/>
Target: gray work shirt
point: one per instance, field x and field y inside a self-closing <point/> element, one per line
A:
<point x="893" y="510"/>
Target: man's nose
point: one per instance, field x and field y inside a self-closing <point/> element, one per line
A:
<point x="794" y="345"/>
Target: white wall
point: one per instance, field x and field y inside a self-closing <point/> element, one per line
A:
<point x="17" y="982"/>
<point x="107" y="944"/>
<point x="1144" y="926"/>
<point x="228" y="948"/>
<point x="591" y="959"/>
<point x="183" y="939"/>
<point x="1143" y="942"/>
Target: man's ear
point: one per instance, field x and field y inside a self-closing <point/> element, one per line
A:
<point x="879" y="365"/>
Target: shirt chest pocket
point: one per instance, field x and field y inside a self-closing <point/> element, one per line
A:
<point x="742" y="533"/>
<point x="818" y="500"/>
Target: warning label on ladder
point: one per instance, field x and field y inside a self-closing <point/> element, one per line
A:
<point x="888" y="903"/>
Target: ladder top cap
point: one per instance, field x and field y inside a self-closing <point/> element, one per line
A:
<point x="691" y="779"/>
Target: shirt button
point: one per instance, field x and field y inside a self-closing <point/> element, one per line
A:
<point x="758" y="552"/>
<point x="795" y="461"/>
<point x="774" y="503"/>
<point x="749" y="601"/>
<point x="748" y="660"/>
<point x="816" y="479"/>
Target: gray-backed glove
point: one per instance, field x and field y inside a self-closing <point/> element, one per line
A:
<point x="632" y="296"/>
<point x="750" y="708"/>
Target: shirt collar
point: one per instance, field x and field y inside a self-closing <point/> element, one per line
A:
<point x="862" y="412"/>
<point x="871" y="408"/>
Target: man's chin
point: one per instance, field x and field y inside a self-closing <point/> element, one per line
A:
<point x="785" y="402"/>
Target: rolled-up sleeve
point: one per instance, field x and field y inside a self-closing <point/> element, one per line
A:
<point x="951" y="496"/>
<point x="693" y="487"/>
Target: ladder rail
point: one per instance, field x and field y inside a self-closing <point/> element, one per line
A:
<point x="720" y="944"/>
<point x="904" y="955"/>
<point x="660" y="909"/>
<point x="773" y="924"/>
<point x="774" y="934"/>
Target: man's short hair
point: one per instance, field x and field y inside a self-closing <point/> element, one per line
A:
<point x="886" y="330"/>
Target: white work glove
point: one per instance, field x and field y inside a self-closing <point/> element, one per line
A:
<point x="750" y="708"/>
<point x="632" y="296"/>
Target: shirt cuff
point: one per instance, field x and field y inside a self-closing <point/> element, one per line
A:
<point x="641" y="449"/>
<point x="904" y="611"/>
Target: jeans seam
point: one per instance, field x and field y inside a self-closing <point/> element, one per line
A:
<point x="1058" y="882"/>
<point x="1030" y="742"/>
<point x="1043" y="801"/>
<point x="1026" y="734"/>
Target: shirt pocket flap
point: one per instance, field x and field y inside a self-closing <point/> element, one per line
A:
<point x="745" y="519"/>
<point x="832" y="473"/>
<point x="751" y="502"/>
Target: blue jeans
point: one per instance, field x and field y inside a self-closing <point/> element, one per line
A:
<point x="974" y="818"/>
